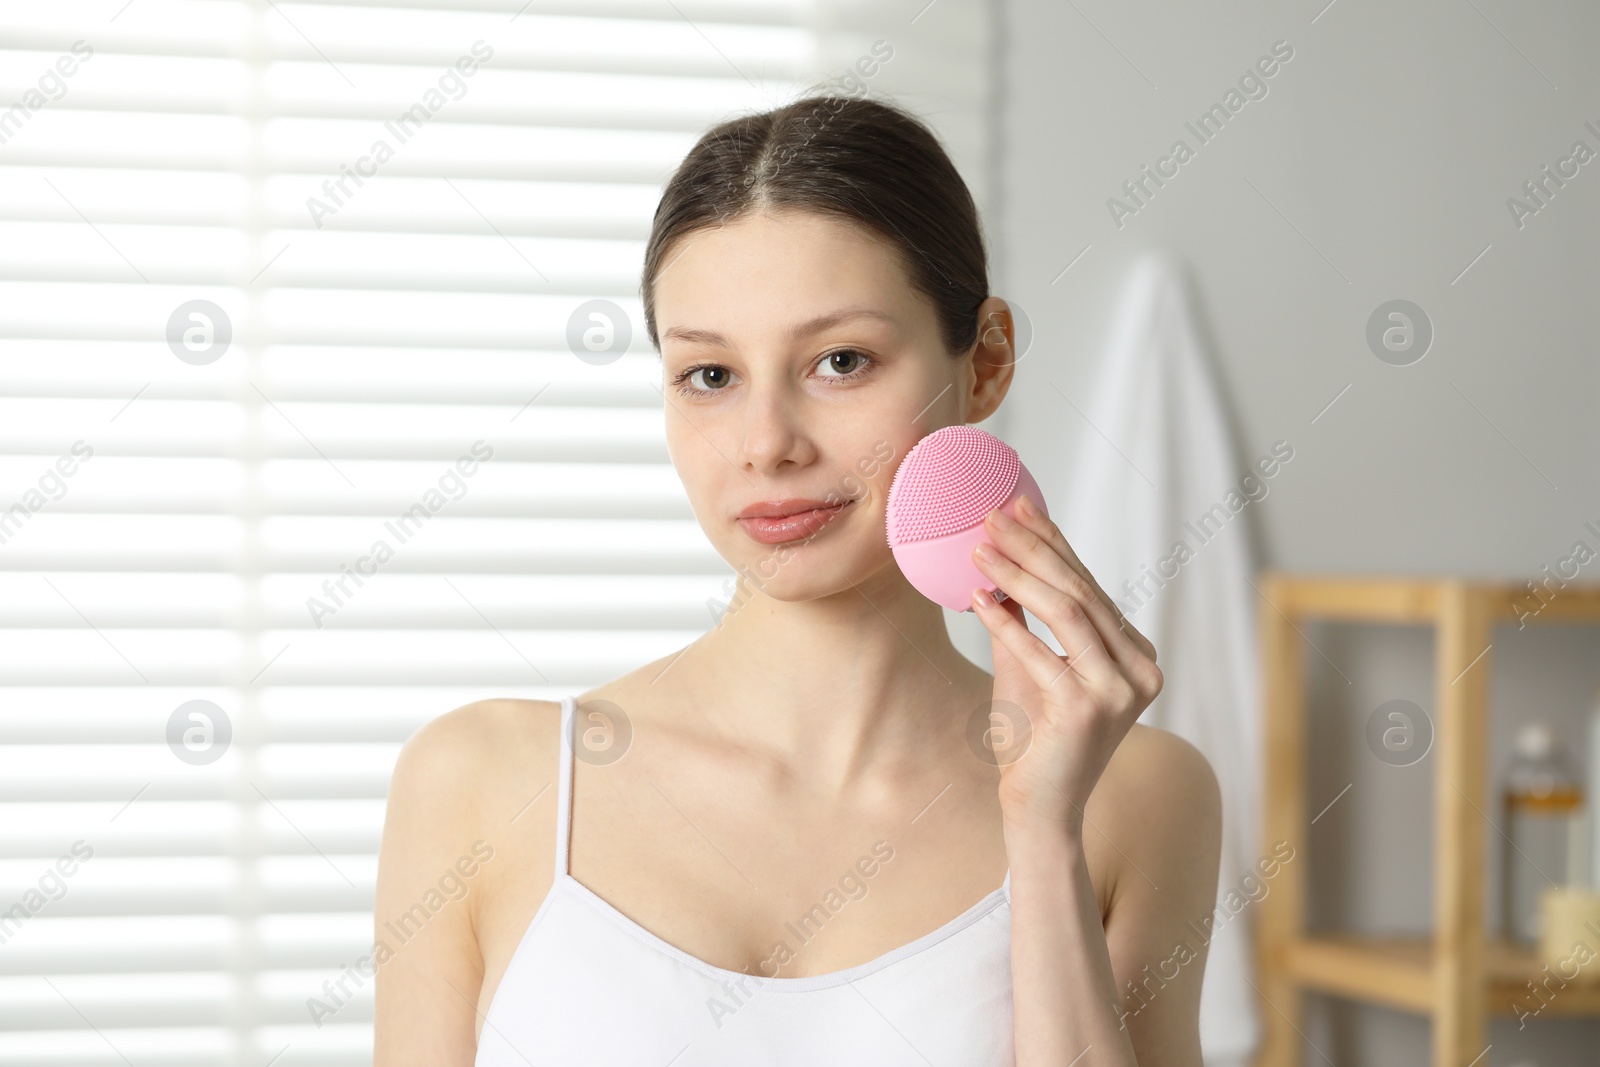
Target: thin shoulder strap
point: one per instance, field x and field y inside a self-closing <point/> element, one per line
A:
<point x="564" y="788"/>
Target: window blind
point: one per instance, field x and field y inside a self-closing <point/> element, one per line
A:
<point x="295" y="454"/>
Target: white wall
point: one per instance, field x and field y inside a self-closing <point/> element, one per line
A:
<point x="1377" y="166"/>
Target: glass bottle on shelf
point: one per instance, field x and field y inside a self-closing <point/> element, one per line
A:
<point x="1543" y="813"/>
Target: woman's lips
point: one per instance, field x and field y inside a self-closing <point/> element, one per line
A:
<point x="774" y="531"/>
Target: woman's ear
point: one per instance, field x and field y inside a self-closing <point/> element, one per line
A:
<point x="993" y="359"/>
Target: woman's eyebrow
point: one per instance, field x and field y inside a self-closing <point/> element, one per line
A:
<point x="834" y="318"/>
<point x="797" y="332"/>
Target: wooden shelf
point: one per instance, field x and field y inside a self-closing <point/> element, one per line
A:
<point x="1458" y="977"/>
<point x="1397" y="972"/>
<point x="1358" y="598"/>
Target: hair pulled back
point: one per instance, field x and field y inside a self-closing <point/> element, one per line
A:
<point x="856" y="159"/>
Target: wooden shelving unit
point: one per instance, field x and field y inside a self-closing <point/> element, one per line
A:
<point x="1458" y="977"/>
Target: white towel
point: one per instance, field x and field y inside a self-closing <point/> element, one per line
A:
<point x="1168" y="461"/>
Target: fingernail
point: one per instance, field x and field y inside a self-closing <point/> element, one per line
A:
<point x="1003" y="521"/>
<point x="981" y="598"/>
<point x="1025" y="505"/>
<point x="986" y="551"/>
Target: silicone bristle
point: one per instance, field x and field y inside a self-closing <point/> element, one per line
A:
<point x="949" y="482"/>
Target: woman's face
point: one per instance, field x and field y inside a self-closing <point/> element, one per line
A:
<point x="800" y="366"/>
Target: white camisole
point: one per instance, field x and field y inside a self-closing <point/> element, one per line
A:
<point x="588" y="985"/>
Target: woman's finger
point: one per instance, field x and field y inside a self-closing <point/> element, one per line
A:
<point x="1058" y="609"/>
<point x="1038" y="659"/>
<point x="1035" y="554"/>
<point x="1038" y="542"/>
<point x="1042" y="525"/>
<point x="1066" y="589"/>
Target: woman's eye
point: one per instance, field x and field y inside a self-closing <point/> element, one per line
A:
<point x="845" y="361"/>
<point x="715" y="378"/>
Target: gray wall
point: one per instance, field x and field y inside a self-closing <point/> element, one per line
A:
<point x="1377" y="166"/>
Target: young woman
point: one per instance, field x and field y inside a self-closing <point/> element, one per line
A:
<point x="781" y="844"/>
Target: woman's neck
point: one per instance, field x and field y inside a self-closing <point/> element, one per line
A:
<point x="867" y="678"/>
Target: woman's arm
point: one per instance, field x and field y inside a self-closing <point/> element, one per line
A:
<point x="1063" y="991"/>
<point x="429" y="967"/>
<point x="1163" y="811"/>
<point x="1158" y="812"/>
<point x="1079" y="708"/>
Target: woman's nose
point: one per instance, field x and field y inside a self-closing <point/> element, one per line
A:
<point x="773" y="432"/>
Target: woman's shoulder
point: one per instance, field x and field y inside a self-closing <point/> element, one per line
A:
<point x="451" y="845"/>
<point x="482" y="727"/>
<point x="1156" y="774"/>
<point x="1160" y="804"/>
<point x="464" y="756"/>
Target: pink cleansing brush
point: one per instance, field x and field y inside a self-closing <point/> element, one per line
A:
<point x="937" y="502"/>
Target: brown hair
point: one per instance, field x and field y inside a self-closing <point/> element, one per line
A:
<point x="861" y="160"/>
